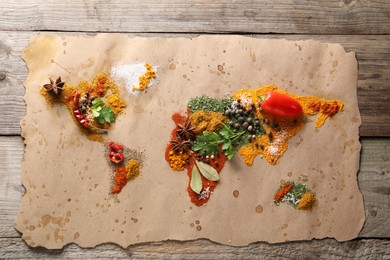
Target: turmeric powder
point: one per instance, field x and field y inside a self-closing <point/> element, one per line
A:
<point x="271" y="150"/>
<point x="178" y="160"/>
<point x="207" y="121"/>
<point x="133" y="169"/>
<point x="116" y="102"/>
<point x="307" y="201"/>
<point x="145" y="79"/>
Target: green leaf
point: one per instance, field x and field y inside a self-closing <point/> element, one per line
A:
<point x="230" y="152"/>
<point x="209" y="137"/>
<point x="196" y="181"/>
<point x="226" y="132"/>
<point x="101" y="112"/>
<point x="107" y="114"/>
<point x="100" y="119"/>
<point x="207" y="171"/>
<point x="262" y="98"/>
<point x="98" y="102"/>
<point x="96" y="111"/>
<point x="225" y="146"/>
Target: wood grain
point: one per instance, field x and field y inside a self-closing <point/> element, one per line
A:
<point x="200" y="16"/>
<point x="374" y="181"/>
<point x="203" y="249"/>
<point x="359" y="25"/>
<point x="373" y="54"/>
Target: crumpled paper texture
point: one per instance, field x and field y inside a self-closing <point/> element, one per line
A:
<point x="68" y="181"/>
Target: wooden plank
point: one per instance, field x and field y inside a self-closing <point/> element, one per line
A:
<point x="199" y="16"/>
<point x="374" y="183"/>
<point x="372" y="53"/>
<point x="11" y="190"/>
<point x="203" y="249"/>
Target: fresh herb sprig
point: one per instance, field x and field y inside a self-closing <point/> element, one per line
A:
<point x="101" y="112"/>
<point x="209" y="143"/>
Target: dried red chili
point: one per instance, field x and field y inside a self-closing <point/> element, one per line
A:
<point x="80" y="117"/>
<point x="286" y="188"/>
<point x="115" y="147"/>
<point x="116" y="157"/>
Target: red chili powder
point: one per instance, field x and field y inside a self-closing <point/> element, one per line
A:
<point x="286" y="188"/>
<point x="197" y="199"/>
<point x="120" y="179"/>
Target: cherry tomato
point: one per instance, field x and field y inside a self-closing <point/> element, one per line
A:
<point x="280" y="104"/>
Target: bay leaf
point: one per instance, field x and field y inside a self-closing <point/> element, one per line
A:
<point x="207" y="171"/>
<point x="196" y="180"/>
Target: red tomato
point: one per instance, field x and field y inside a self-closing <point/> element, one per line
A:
<point x="280" y="104"/>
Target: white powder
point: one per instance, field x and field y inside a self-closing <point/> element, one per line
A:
<point x="273" y="149"/>
<point x="280" y="138"/>
<point x="129" y="74"/>
<point x="205" y="194"/>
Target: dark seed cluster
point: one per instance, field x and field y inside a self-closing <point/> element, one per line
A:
<point x="243" y="119"/>
<point x="85" y="102"/>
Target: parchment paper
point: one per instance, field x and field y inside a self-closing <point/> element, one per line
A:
<point x="67" y="179"/>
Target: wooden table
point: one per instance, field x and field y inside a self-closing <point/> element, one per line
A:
<point x="360" y="26"/>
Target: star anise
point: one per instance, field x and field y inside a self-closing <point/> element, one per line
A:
<point x="186" y="131"/>
<point x="54" y="87"/>
<point x="180" y="145"/>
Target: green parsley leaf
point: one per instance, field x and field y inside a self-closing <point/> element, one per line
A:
<point x="101" y="112"/>
<point x="107" y="114"/>
<point x="96" y="111"/>
<point x="97" y="102"/>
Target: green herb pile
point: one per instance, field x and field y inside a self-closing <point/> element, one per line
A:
<point x="209" y="104"/>
<point x="296" y="192"/>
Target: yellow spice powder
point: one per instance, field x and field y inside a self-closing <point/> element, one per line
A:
<point x="178" y="160"/>
<point x="116" y="103"/>
<point x="272" y="148"/>
<point x="307" y="201"/>
<point x="133" y="169"/>
<point x="145" y="79"/>
<point x="207" y="121"/>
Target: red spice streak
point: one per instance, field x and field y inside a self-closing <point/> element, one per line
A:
<point x="286" y="188"/>
<point x="120" y="179"/>
<point x="221" y="159"/>
<point x="100" y="90"/>
<point x="178" y="119"/>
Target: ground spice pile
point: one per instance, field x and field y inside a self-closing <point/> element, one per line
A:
<point x="145" y="79"/>
<point x="280" y="129"/>
<point x="297" y="194"/>
<point x="126" y="164"/>
<point x="94" y="106"/>
<point x="250" y="122"/>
